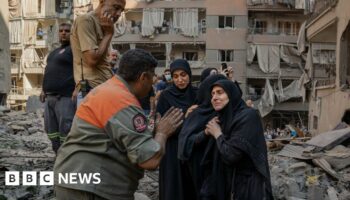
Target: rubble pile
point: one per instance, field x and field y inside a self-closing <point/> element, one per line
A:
<point x="316" y="169"/>
<point x="24" y="147"/>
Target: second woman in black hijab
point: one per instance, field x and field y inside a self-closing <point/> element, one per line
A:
<point x="174" y="181"/>
<point x="238" y="158"/>
<point x="192" y="140"/>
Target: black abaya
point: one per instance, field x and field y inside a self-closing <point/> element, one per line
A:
<point x="236" y="162"/>
<point x="174" y="181"/>
<point x="192" y="140"/>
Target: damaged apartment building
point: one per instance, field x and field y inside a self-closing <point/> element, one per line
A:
<point x="327" y="36"/>
<point x="33" y="26"/>
<point x="265" y="41"/>
<point x="258" y="38"/>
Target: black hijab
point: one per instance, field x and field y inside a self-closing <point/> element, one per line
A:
<point x="242" y="128"/>
<point x="196" y="121"/>
<point x="173" y="96"/>
<point x="205" y="73"/>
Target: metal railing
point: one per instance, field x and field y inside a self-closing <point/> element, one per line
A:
<point x="25" y="91"/>
<point x="276" y="31"/>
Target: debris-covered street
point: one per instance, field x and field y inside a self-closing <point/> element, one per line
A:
<point x="297" y="171"/>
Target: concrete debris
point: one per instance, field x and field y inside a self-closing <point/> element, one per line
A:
<point x="328" y="140"/>
<point x="24" y="146"/>
<point x="315" y="169"/>
<point x="34" y="104"/>
<point x="299" y="171"/>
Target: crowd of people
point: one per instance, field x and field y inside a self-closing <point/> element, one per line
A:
<point x="111" y="114"/>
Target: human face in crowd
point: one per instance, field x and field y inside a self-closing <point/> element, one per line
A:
<point x="167" y="76"/>
<point x="114" y="8"/>
<point x="64" y="34"/>
<point x="181" y="79"/>
<point x="113" y="56"/>
<point x="219" y="98"/>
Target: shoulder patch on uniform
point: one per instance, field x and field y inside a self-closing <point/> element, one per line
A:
<point x="140" y="123"/>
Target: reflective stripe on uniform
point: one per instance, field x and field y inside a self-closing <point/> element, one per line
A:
<point x="53" y="135"/>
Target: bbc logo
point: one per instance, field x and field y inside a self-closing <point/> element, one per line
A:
<point x="13" y="178"/>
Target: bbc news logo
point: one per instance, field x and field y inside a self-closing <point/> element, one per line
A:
<point x="13" y="178"/>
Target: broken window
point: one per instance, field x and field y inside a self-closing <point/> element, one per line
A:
<point x="226" y="21"/>
<point x="225" y="55"/>
<point x="190" y="56"/>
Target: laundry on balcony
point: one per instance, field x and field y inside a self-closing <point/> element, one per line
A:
<point x="269" y="58"/>
<point x="48" y="8"/>
<point x="30" y="59"/>
<point x="30" y="8"/>
<point x="293" y="90"/>
<point x="267" y="100"/>
<point x="301" y="42"/>
<point x="290" y="55"/>
<point x="15" y="8"/>
<point x="151" y="18"/>
<point x="81" y="7"/>
<point x="122" y="25"/>
<point x="251" y="52"/>
<point x="186" y="20"/>
<point x="29" y="33"/>
<point x="16" y="32"/>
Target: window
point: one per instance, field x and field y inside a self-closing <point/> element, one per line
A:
<point x="226" y="21"/>
<point x="190" y="56"/>
<point x="288" y="28"/>
<point x="225" y="55"/>
<point x="260" y="26"/>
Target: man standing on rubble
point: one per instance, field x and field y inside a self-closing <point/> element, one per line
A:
<point x="91" y="37"/>
<point x="110" y="135"/>
<point x="58" y="86"/>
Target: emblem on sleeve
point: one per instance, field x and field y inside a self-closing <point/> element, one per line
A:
<point x="140" y="123"/>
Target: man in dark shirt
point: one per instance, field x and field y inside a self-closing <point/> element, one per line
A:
<point x="58" y="86"/>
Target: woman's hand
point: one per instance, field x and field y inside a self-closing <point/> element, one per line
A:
<point x="213" y="128"/>
<point x="190" y="109"/>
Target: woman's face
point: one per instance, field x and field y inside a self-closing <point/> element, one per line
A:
<point x="219" y="98"/>
<point x="181" y="79"/>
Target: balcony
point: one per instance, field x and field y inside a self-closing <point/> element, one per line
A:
<point x="275" y="6"/>
<point x="275" y="35"/>
<point x="166" y="4"/>
<point x="320" y="8"/>
<point x="22" y="94"/>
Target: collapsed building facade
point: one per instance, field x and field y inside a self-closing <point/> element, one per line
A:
<point x="264" y="41"/>
<point x="327" y="35"/>
<point x="4" y="54"/>
<point x="258" y="38"/>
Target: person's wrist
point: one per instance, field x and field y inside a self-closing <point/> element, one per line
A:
<point x="163" y="135"/>
<point x="217" y="134"/>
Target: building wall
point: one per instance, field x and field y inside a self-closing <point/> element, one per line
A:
<point x="330" y="103"/>
<point x="5" y="69"/>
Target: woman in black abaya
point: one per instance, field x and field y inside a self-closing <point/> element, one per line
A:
<point x="192" y="140"/>
<point x="237" y="159"/>
<point x="174" y="181"/>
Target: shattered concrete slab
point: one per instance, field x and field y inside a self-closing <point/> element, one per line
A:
<point x="328" y="140"/>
